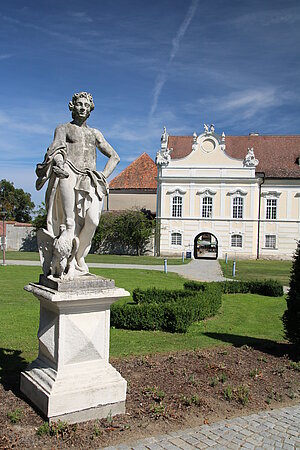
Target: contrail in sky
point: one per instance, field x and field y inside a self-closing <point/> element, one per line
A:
<point x="162" y="77"/>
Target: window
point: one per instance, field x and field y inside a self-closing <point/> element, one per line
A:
<point x="236" y="240"/>
<point x="176" y="239"/>
<point x="237" y="209"/>
<point x="270" y="241"/>
<point x="207" y="207"/>
<point x="271" y="209"/>
<point x="177" y="207"/>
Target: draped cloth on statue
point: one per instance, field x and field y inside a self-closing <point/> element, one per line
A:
<point x="88" y="184"/>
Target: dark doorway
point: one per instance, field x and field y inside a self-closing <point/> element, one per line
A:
<point x="205" y="246"/>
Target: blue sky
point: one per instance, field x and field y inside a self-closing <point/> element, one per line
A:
<point x="179" y="63"/>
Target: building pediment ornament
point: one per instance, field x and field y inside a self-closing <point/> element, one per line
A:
<point x="250" y="160"/>
<point x="209" y="139"/>
<point x="271" y="194"/>
<point x="206" y="192"/>
<point x="177" y="190"/>
<point x="163" y="156"/>
<point x="239" y="191"/>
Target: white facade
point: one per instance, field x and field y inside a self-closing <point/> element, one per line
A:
<point x="209" y="192"/>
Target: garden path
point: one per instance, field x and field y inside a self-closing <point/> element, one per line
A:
<point x="276" y="429"/>
<point x="197" y="269"/>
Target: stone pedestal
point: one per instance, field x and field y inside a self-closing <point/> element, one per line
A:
<point x="71" y="379"/>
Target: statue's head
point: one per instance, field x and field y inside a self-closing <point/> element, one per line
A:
<point x="81" y="105"/>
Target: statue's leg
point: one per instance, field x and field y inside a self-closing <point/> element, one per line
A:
<point x="67" y="196"/>
<point x="87" y="233"/>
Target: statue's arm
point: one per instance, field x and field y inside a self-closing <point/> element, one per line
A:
<point x="59" y="144"/>
<point x="58" y="149"/>
<point x="107" y="150"/>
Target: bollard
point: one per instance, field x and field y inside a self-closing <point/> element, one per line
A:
<point x="233" y="268"/>
<point x="183" y="257"/>
<point x="226" y="258"/>
<point x="165" y="265"/>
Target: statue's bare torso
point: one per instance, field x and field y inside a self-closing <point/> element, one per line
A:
<point x="81" y="143"/>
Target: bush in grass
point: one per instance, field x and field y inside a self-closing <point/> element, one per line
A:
<point x="291" y="317"/>
<point x="153" y="295"/>
<point x="137" y="317"/>
<point x="173" y="311"/>
<point x="270" y="288"/>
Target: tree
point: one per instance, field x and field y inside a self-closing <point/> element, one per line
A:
<point x="17" y="203"/>
<point x="129" y="232"/>
<point x="40" y="219"/>
<point x="291" y="317"/>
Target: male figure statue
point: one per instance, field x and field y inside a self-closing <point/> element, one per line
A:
<point x="75" y="191"/>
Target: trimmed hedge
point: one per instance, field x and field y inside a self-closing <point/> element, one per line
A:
<point x="270" y="288"/>
<point x="153" y="295"/>
<point x="172" y="311"/>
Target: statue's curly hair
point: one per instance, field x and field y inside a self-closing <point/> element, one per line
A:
<point x="80" y="95"/>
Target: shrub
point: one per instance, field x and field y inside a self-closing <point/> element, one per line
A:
<point x="137" y="317"/>
<point x="153" y="295"/>
<point x="173" y="311"/>
<point x="270" y="288"/>
<point x="291" y="317"/>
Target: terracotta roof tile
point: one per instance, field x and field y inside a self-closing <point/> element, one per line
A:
<point x="140" y="174"/>
<point x="277" y="155"/>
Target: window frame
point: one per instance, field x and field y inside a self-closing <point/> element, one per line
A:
<point x="236" y="235"/>
<point x="179" y="206"/>
<point x="238" y="207"/>
<point x="209" y="207"/>
<point x="267" y="237"/>
<point x="270" y="209"/>
<point x="176" y="234"/>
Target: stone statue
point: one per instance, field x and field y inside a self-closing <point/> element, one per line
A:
<point x="250" y="160"/>
<point x="75" y="191"/>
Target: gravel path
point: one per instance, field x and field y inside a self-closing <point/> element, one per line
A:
<point x="197" y="269"/>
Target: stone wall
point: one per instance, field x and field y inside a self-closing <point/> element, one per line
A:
<point x="20" y="237"/>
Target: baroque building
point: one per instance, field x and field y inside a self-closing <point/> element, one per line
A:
<point x="234" y="195"/>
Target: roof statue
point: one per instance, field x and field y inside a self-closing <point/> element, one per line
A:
<point x="250" y="160"/>
<point x="163" y="156"/>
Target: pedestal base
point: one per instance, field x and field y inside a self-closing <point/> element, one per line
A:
<point x="77" y="394"/>
<point x="71" y="379"/>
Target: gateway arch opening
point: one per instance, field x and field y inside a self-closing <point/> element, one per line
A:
<point x="205" y="246"/>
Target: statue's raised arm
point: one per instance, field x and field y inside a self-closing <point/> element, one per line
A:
<point x="75" y="191"/>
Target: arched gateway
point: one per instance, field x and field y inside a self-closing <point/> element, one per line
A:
<point x="205" y="246"/>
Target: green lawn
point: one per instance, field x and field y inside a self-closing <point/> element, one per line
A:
<point x="241" y="318"/>
<point x="258" y="270"/>
<point x="108" y="259"/>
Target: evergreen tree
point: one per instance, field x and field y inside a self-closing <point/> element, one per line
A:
<point x="291" y="317"/>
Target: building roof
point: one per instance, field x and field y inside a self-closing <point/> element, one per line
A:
<point x="140" y="174"/>
<point x="278" y="155"/>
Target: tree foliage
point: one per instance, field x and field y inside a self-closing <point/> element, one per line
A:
<point x="17" y="203"/>
<point x="128" y="232"/>
<point x="40" y="219"/>
<point x="291" y="317"/>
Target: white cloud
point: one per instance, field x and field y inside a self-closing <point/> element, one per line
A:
<point x="162" y="76"/>
<point x="12" y="122"/>
<point x="81" y="16"/>
<point x="269" y="17"/>
<point x="246" y="103"/>
<point x="182" y="29"/>
<point x="5" y="56"/>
